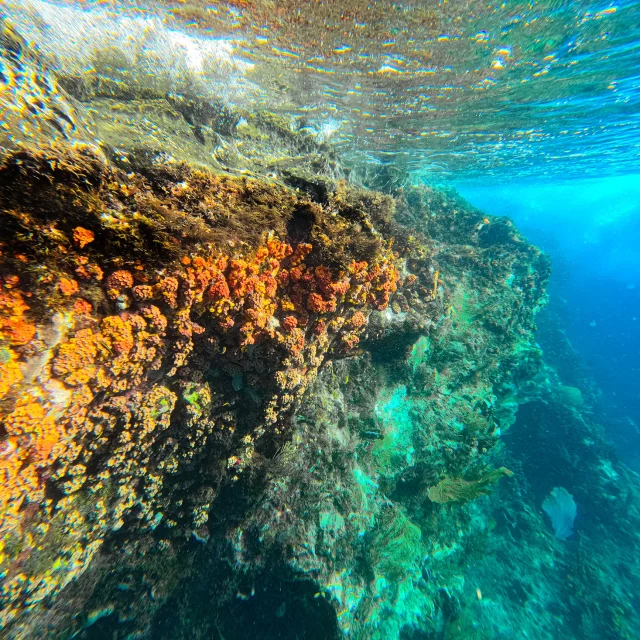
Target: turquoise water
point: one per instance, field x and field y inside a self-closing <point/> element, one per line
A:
<point x="461" y="474"/>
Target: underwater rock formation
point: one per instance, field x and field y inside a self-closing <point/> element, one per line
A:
<point x="154" y="326"/>
<point x="161" y="329"/>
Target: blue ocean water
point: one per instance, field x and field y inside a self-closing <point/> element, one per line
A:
<point x="591" y="229"/>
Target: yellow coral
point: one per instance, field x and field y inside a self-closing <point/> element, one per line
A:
<point x="30" y="419"/>
<point x="10" y="373"/>
<point x="119" y="332"/>
<point x="78" y="353"/>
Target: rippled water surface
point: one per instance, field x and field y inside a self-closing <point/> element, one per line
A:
<point x="473" y="89"/>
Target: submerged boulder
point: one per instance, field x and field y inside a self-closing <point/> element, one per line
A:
<point x="163" y="333"/>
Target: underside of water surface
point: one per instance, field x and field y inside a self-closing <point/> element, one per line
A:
<point x="264" y="373"/>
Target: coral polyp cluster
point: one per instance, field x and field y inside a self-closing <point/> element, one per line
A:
<point x="157" y="332"/>
<point x="15" y="329"/>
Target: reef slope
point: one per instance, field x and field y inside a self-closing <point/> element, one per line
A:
<point x="162" y="329"/>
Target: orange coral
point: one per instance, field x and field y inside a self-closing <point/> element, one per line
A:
<point x="16" y="482"/>
<point x="77" y="357"/>
<point x="358" y="319"/>
<point x="156" y="320"/>
<point x="82" y="237"/>
<point x="350" y="340"/>
<point x="95" y="271"/>
<point x="10" y="373"/>
<point x="278" y="250"/>
<point x="14" y="327"/>
<point x="246" y="331"/>
<point x="300" y="253"/>
<point x="237" y="278"/>
<point x="11" y="281"/>
<point x="248" y="298"/>
<point x="358" y="270"/>
<point x="68" y="287"/>
<point x="30" y="419"/>
<point x="320" y="327"/>
<point x="289" y="323"/>
<point x="270" y="285"/>
<point x="81" y="306"/>
<point x="118" y="282"/>
<point x="143" y="292"/>
<point x="316" y="304"/>
<point x="168" y="288"/>
<point x="87" y="270"/>
<point x="31" y="443"/>
<point x="339" y="288"/>
<point x="120" y="333"/>
<point x="383" y="279"/>
<point x="219" y="289"/>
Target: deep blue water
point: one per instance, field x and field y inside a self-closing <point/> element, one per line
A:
<point x="591" y="229"/>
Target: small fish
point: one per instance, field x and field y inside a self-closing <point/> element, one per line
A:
<point x="371" y="435"/>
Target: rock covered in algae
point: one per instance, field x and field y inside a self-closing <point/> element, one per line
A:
<point x="155" y="325"/>
<point x="162" y="328"/>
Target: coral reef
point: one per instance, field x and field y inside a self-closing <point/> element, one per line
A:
<point x="189" y="319"/>
<point x="161" y="335"/>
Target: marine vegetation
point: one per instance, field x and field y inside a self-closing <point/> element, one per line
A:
<point x="461" y="490"/>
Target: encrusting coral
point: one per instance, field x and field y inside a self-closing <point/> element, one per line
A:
<point x="176" y="298"/>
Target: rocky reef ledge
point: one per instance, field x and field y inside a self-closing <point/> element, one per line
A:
<point x="163" y="331"/>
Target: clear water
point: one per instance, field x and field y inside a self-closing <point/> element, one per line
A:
<point x="591" y="229"/>
<point x="455" y="89"/>
<point x="531" y="110"/>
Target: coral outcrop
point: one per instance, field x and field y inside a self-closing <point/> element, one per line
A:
<point x="190" y="314"/>
<point x="163" y="328"/>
